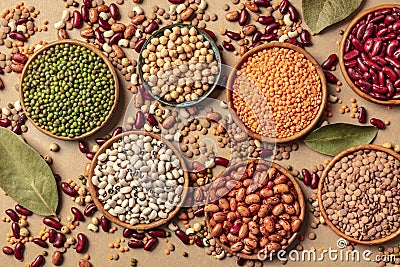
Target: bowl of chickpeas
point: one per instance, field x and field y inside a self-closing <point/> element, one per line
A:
<point x="179" y="65"/>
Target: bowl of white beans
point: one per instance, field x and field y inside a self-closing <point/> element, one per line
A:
<point x="179" y="65"/>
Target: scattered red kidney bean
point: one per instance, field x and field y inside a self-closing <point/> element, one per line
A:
<point x="85" y="14"/>
<point x="127" y="232"/>
<point x="19" y="58"/>
<point x="8" y="250"/>
<point x="151" y="27"/>
<point x="22" y="210"/>
<point x="139" y="121"/>
<point x="38" y="262"/>
<point x="138" y="236"/>
<point x="82" y="243"/>
<point x="18" y="36"/>
<point x="135" y="243"/>
<point x="12" y="214"/>
<point x="101" y="141"/>
<point x="117" y="131"/>
<point x="105" y="224"/>
<point x="151" y="244"/>
<point x="197" y="240"/>
<point x="90" y="155"/>
<point x="294" y="15"/>
<point x="233" y="35"/>
<point x="199" y="212"/>
<point x="330" y="78"/>
<point x="228" y="46"/>
<point x="362" y="115"/>
<point x="76" y="19"/>
<point x="15" y="229"/>
<point x="139" y="44"/>
<point x="19" y="251"/>
<point x="262" y="3"/>
<point x="90" y="209"/>
<point x="182" y="236"/>
<point x="17" y="129"/>
<point x="114" y="12"/>
<point x="158" y="233"/>
<point x="305" y="38"/>
<point x="210" y="33"/>
<point x="67" y="189"/>
<point x="306" y="176"/>
<point x="99" y="36"/>
<point x="176" y="2"/>
<point x="104" y="24"/>
<point x="5" y="122"/>
<point x="330" y="62"/>
<point x="87" y="3"/>
<point x="78" y="216"/>
<point x="314" y="181"/>
<point x="144" y="93"/>
<point x="52" y="235"/>
<point x="21" y="21"/>
<point x="377" y="123"/>
<point x="52" y="223"/>
<point x="40" y="242"/>
<point x="220" y="161"/>
<point x="22" y="119"/>
<point x="83" y="147"/>
<point x="151" y="119"/>
<point x="115" y="38"/>
<point x="266" y="20"/>
<point x="243" y="17"/>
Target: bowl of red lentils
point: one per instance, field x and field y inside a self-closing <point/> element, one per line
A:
<point x="370" y="54"/>
<point x="278" y="91"/>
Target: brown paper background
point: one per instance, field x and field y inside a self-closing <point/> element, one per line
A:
<point x="69" y="162"/>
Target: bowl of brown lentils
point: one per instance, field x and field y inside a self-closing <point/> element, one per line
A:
<point x="278" y="91"/>
<point x="179" y="65"/>
<point x="358" y="194"/>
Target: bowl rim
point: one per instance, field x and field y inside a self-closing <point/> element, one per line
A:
<point x="346" y="76"/>
<point x="322" y="182"/>
<point x="91" y="48"/>
<point x="94" y="190"/>
<point x="299" y="192"/>
<point x="217" y="54"/>
<point x="324" y="91"/>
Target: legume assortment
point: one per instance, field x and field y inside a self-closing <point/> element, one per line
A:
<point x="68" y="90"/>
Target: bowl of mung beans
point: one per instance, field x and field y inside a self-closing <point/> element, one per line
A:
<point x="179" y="65"/>
<point x="278" y="91"/>
<point x="359" y="194"/>
<point x="69" y="90"/>
<point x="138" y="180"/>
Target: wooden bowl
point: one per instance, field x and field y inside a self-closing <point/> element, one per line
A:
<point x="94" y="190"/>
<point x="101" y="55"/>
<point x="332" y="163"/>
<point x="341" y="61"/>
<point x="233" y="76"/>
<point x="298" y="191"/>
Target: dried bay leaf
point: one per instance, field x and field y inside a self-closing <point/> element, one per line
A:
<point x="319" y="14"/>
<point x="25" y="176"/>
<point x="334" y="138"/>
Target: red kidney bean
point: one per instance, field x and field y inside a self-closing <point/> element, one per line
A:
<point x="87" y="3"/>
<point x="38" y="262"/>
<point x="294" y="15"/>
<point x="396" y="54"/>
<point x="362" y="115"/>
<point x="144" y="93"/>
<point x="243" y="17"/>
<point x="268" y="37"/>
<point x="117" y="131"/>
<point x="182" y="236"/>
<point x="139" y="44"/>
<point x="330" y="77"/>
<point x="373" y="64"/>
<point x="305" y="38"/>
<point x="151" y="27"/>
<point x="350" y="64"/>
<point x="265" y="20"/>
<point x="396" y="26"/>
<point x="176" y="2"/>
<point x="15" y="229"/>
<point x="262" y="3"/>
<point x="19" y="251"/>
<point x="60" y="240"/>
<point x="40" y="242"/>
<point x="368" y="45"/>
<point x="361" y="65"/>
<point x="158" y="233"/>
<point x="21" y="21"/>
<point x="347" y="45"/>
<point x="90" y="155"/>
<point x="354" y="74"/>
<point x="357" y="44"/>
<point x="284" y="6"/>
<point x="138" y="236"/>
<point x="115" y="38"/>
<point x="382" y="32"/>
<point x="228" y="46"/>
<point x="17" y="129"/>
<point x="235" y="229"/>
<point x="271" y="27"/>
<point x="394" y="62"/>
<point x="240" y="261"/>
<point x="105" y="224"/>
<point x="330" y="62"/>
<point x="292" y="41"/>
<point x="391" y="48"/>
<point x="391" y="89"/>
<point x="314" y="181"/>
<point x="52" y="223"/>
<point x="377" y="19"/>
<point x="364" y="85"/>
<point x="140" y="120"/>
<point x="135" y="243"/>
<point x="360" y="32"/>
<point x="381" y="78"/>
<point x="369" y="31"/>
<point x="380" y="89"/>
<point x="379" y="60"/>
<point x="12" y="214"/>
<point x="199" y="212"/>
<point x="127" y="232"/>
<point x="376" y="49"/>
<point x="22" y="119"/>
<point x="210" y="33"/>
<point x="19" y="58"/>
<point x="22" y="210"/>
<point x="90" y="209"/>
<point x="104" y="24"/>
<point x="377" y="123"/>
<point x="390" y="36"/>
<point x="77" y="19"/>
<point x="306" y="176"/>
<point x="384" y="11"/>
<point x="114" y="11"/>
<point x="82" y="243"/>
<point x="197" y="240"/>
<point x="78" y="216"/>
<point x="256" y="37"/>
<point x="5" y="122"/>
<point x="397" y="83"/>
<point x="67" y="189"/>
<point x="233" y="35"/>
<point x="150" y="244"/>
<point x="17" y="36"/>
<point x="151" y="119"/>
<point x="220" y="161"/>
<point x="85" y="14"/>
<point x="390" y="73"/>
<point x="101" y="141"/>
<point x="52" y="235"/>
<point x="351" y="55"/>
<point x="8" y="250"/>
<point x="99" y="36"/>
<point x="83" y="147"/>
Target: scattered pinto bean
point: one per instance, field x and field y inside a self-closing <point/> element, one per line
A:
<point x="19" y="251"/>
<point x="16" y="67"/>
<point x="8" y="250"/>
<point x="249" y="29"/>
<point x="38" y="262"/>
<point x="82" y="243"/>
<point x="57" y="258"/>
<point x="19" y="58"/>
<point x="252" y="6"/>
<point x="129" y="32"/>
<point x="62" y="34"/>
<point x="67" y="189"/>
<point x="377" y="123"/>
<point x="12" y="214"/>
<point x="182" y="236"/>
<point x="90" y="209"/>
<point x="151" y="244"/>
<point x="186" y="14"/>
<point x="232" y="16"/>
<point x="40" y="242"/>
<point x="87" y="33"/>
<point x="52" y="223"/>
